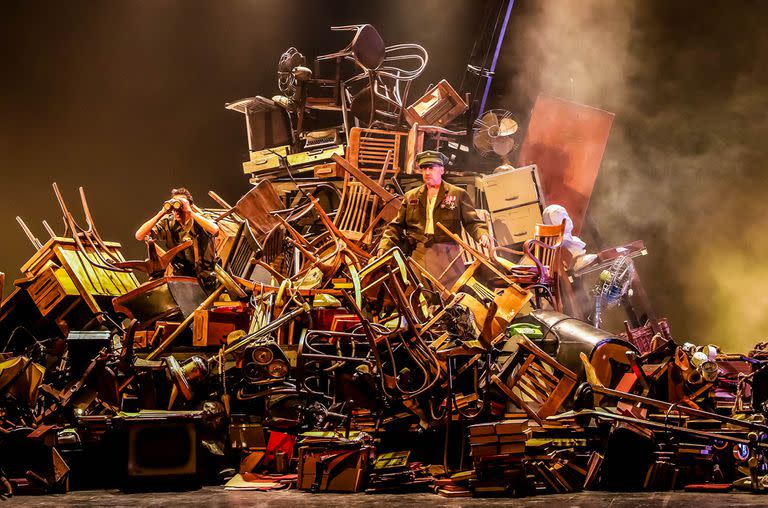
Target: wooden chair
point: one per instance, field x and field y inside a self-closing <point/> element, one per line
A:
<point x="466" y="256"/>
<point x="405" y="342"/>
<point x="366" y="50"/>
<point x="538" y="384"/>
<point x="545" y="233"/>
<point x="541" y="265"/>
<point x="376" y="151"/>
<point x="358" y="212"/>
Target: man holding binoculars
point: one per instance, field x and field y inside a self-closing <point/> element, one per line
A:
<point x="180" y="220"/>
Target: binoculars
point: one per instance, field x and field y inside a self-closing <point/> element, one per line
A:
<point x="174" y="204"/>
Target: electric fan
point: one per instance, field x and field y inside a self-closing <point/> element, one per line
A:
<point x="612" y="285"/>
<point x="494" y="133"/>
<point x="286" y="79"/>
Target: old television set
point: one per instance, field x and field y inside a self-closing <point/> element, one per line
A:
<point x="162" y="449"/>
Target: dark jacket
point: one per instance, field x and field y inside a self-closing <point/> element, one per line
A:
<point x="198" y="260"/>
<point x="407" y="229"/>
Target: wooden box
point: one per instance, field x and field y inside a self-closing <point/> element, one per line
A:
<point x="439" y="106"/>
<point x="211" y="327"/>
<point x="144" y="339"/>
<point x="345" y="472"/>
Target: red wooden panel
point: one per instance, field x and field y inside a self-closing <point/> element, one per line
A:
<point x="566" y="141"/>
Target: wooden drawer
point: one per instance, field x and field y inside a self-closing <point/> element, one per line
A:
<point x="49" y="289"/>
<point x="316" y="156"/>
<point x="516" y="224"/>
<point x="265" y="160"/>
<point x="328" y="170"/>
<point x="510" y="188"/>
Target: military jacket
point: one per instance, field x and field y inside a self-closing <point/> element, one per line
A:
<point x="453" y="208"/>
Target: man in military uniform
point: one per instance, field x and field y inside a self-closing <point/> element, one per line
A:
<point x="415" y="230"/>
<point x="180" y="220"/>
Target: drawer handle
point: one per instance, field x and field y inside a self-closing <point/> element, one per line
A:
<point x="512" y="198"/>
<point x="520" y="233"/>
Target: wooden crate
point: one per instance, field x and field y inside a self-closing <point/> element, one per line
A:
<point x="211" y="326"/>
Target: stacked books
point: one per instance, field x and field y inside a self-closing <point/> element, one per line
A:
<point x="363" y="421"/>
<point x="506" y="437"/>
<point x="497" y="451"/>
<point x="393" y="473"/>
<point x="455" y="486"/>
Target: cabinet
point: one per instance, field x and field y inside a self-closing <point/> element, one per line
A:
<point x="514" y="200"/>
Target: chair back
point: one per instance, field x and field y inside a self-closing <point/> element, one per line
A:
<point x="538" y="384"/>
<point x="368" y="48"/>
<point x="354" y="213"/>
<point x="257" y="205"/>
<point x="467" y="256"/>
<point x="385" y="86"/>
<point x="552" y="236"/>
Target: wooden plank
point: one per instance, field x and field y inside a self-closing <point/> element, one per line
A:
<point x="556" y="399"/>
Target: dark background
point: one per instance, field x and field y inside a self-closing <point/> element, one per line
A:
<point x="126" y="99"/>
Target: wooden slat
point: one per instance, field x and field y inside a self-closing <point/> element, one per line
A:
<point x="525" y="387"/>
<point x="547" y="383"/>
<point x="544" y="357"/>
<point x="544" y="372"/>
<point x="514" y="398"/>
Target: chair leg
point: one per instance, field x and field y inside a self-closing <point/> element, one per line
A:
<point x="371" y="78"/>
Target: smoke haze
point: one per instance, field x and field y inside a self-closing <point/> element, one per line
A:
<point x="684" y="169"/>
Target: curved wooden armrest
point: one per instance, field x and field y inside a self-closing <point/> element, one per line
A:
<point x="511" y="251"/>
<point x="527" y="247"/>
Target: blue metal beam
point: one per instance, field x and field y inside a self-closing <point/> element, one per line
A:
<point x="491" y="71"/>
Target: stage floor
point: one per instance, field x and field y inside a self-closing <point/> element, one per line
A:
<point x="217" y="496"/>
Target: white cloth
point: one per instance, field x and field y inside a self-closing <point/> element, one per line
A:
<point x="554" y="215"/>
